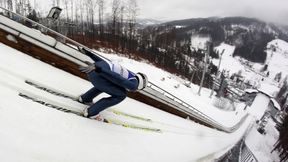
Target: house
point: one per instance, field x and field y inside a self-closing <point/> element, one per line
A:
<point x="262" y="102"/>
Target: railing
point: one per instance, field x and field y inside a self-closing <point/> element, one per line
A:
<point x="41" y="27"/>
<point x="186" y="107"/>
<point x="246" y="155"/>
<point x="65" y="48"/>
<point x="232" y="90"/>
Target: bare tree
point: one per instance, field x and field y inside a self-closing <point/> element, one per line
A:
<point x="81" y="9"/>
<point x="100" y="16"/>
<point x="72" y="11"/>
<point x="2" y="3"/>
<point x="77" y="15"/>
<point x="115" y="15"/>
<point x="10" y="5"/>
<point x="22" y="7"/>
<point x="132" y="11"/>
<point x="56" y="3"/>
<point x="66" y="9"/>
<point x="120" y="28"/>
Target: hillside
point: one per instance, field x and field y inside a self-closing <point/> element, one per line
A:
<point x="250" y="36"/>
<point x="277" y="62"/>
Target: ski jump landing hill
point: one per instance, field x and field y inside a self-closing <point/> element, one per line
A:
<point x="63" y="54"/>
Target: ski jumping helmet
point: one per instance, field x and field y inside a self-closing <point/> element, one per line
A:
<point x="142" y="79"/>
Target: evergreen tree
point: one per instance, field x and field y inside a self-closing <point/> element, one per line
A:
<point x="282" y="143"/>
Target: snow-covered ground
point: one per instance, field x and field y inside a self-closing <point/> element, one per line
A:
<point x="199" y="42"/>
<point x="277" y="61"/>
<point x="30" y="131"/>
<point x="262" y="150"/>
<point x="226" y="59"/>
<point x="277" y="58"/>
<point x="233" y="64"/>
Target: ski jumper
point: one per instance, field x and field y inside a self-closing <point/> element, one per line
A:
<point x="110" y="78"/>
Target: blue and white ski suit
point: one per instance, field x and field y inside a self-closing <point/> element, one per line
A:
<point x="110" y="78"/>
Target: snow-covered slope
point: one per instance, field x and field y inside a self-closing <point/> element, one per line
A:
<point x="277" y="61"/>
<point x="277" y="58"/>
<point x="199" y="42"/>
<point x="35" y="132"/>
<point x="227" y="61"/>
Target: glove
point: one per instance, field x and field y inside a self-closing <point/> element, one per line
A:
<point x="82" y="50"/>
<point x="87" y="69"/>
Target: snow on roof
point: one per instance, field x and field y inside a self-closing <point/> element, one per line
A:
<point x="268" y="89"/>
<point x="251" y="90"/>
<point x="276" y="104"/>
<point x="28" y="31"/>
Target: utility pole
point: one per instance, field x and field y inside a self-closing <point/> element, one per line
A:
<point x="205" y="66"/>
<point x="193" y="73"/>
<point x="220" y="60"/>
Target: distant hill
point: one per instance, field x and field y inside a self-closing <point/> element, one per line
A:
<point x="249" y="35"/>
<point x="146" y="22"/>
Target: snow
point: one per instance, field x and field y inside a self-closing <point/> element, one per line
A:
<point x="37" y="133"/>
<point x="251" y="90"/>
<point x="227" y="60"/>
<point x="281" y="46"/>
<point x="277" y="60"/>
<point x="268" y="89"/>
<point x="199" y="42"/>
<point x="11" y="38"/>
<point x="28" y="31"/>
<point x="259" y="105"/>
<point x="236" y="65"/>
<point x="262" y="150"/>
<point x="14" y="32"/>
<point x="179" y="26"/>
<point x="276" y="104"/>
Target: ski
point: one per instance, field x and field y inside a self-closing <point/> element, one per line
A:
<point x="46" y="103"/>
<point x="50" y="90"/>
<point x="106" y="120"/>
<point x="134" y="126"/>
<point x="62" y="94"/>
<point x="117" y="112"/>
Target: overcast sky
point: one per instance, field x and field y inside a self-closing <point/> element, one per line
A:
<point x="268" y="10"/>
